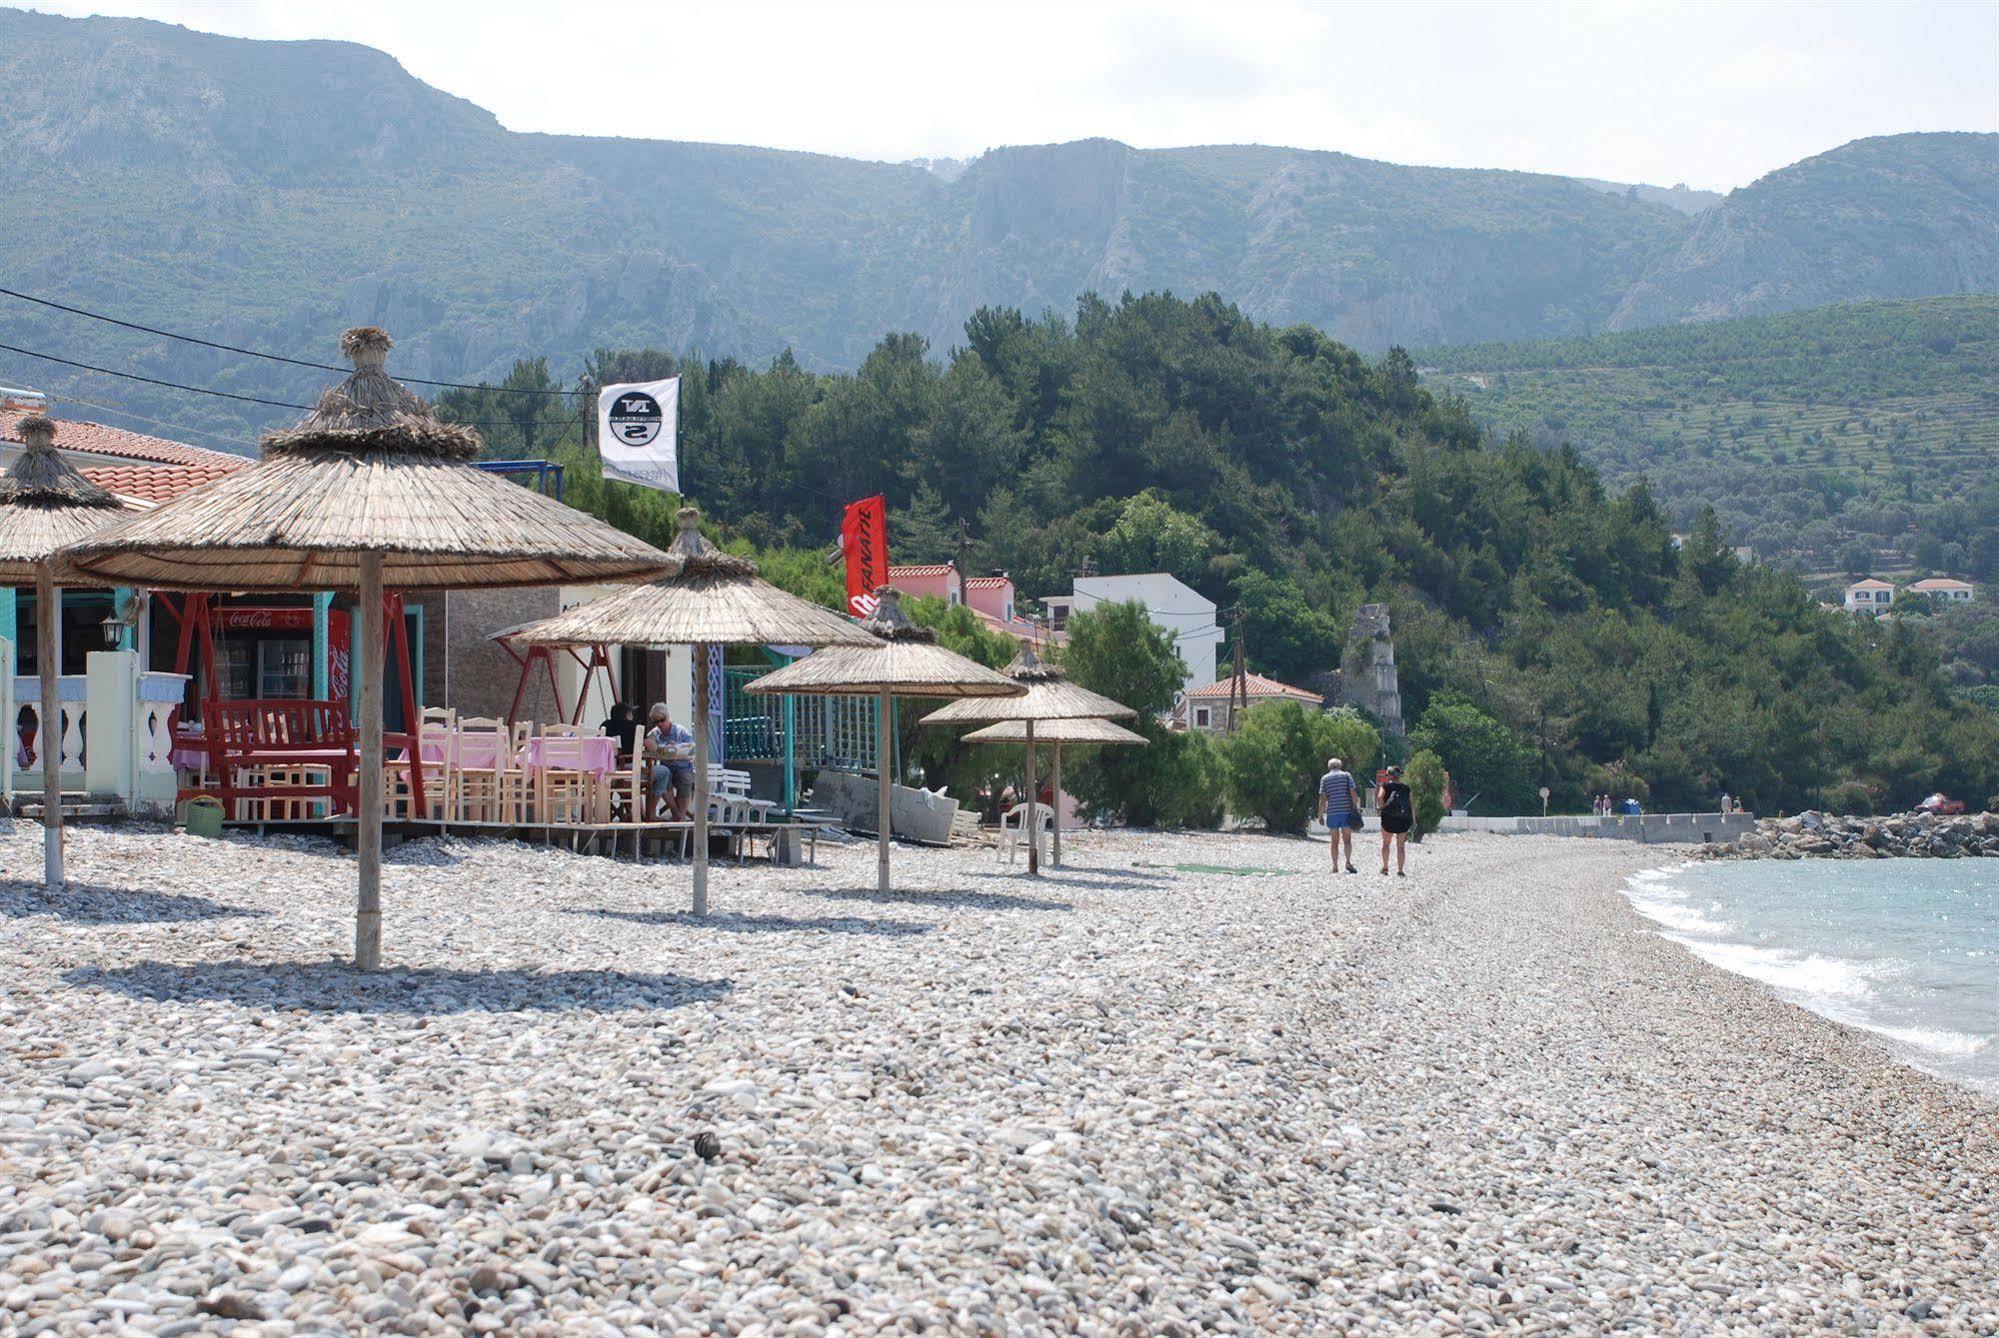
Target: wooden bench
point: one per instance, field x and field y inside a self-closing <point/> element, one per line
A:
<point x="280" y="756"/>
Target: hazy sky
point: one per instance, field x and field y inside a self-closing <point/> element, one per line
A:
<point x="1714" y="95"/>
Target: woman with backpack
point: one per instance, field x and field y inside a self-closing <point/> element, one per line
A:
<point x="1398" y="815"/>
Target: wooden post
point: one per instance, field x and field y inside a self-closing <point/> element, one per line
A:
<point x="1055" y="829"/>
<point x="48" y="737"/>
<point x="367" y="657"/>
<point x="700" y="779"/>
<point x="884" y="802"/>
<point x="1033" y="797"/>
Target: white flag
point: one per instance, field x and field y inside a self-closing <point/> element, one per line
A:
<point x="638" y="427"/>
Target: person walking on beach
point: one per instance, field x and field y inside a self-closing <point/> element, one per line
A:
<point x="1398" y="815"/>
<point x="1339" y="809"/>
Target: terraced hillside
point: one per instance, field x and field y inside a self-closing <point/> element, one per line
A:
<point x="1807" y="432"/>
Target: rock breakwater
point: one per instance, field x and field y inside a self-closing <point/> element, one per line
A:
<point x="1813" y="835"/>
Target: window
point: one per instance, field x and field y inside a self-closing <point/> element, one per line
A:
<point x="1202" y="717"/>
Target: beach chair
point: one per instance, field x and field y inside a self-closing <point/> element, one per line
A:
<point x="1023" y="819"/>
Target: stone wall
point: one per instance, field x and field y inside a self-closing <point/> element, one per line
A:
<point x="1649" y="828"/>
<point x="482" y="675"/>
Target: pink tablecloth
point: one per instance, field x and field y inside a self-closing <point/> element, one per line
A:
<point x="594" y="753"/>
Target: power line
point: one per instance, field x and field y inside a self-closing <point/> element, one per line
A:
<point x="114" y="406"/>
<point x="155" y="381"/>
<point x="231" y="395"/>
<point x="258" y="353"/>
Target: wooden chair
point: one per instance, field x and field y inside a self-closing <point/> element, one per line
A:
<point x="564" y="792"/>
<point x="436" y="727"/>
<point x="482" y="755"/>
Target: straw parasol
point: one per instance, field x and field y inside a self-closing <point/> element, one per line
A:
<point x="370" y="490"/>
<point x="910" y="663"/>
<point x="711" y="598"/>
<point x="1049" y="696"/>
<point x="45" y="505"/>
<point x="1058" y="732"/>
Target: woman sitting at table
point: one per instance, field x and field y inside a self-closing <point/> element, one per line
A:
<point x="670" y="750"/>
<point x="624" y="727"/>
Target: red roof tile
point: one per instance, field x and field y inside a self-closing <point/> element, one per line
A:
<point x="1258" y="686"/>
<point x="926" y="569"/>
<point x="154" y="483"/>
<point x="988" y="582"/>
<point x="77" y="435"/>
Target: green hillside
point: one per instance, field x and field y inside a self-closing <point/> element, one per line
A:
<point x="1283" y="474"/>
<point x="1874" y="424"/>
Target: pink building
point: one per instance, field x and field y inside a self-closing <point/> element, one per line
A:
<point x="990" y="597"/>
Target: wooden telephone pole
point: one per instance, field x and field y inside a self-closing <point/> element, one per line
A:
<point x="1239" y="678"/>
<point x="964" y="555"/>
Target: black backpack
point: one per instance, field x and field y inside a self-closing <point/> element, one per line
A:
<point x="1395" y="808"/>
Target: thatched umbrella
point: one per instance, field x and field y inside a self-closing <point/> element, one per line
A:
<point x="370" y="490"/>
<point x="711" y="598"/>
<point x="46" y="505"/>
<point x="1057" y="733"/>
<point x="1049" y="696"/>
<point x="909" y="664"/>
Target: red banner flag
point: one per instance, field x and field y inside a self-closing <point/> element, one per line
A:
<point x="864" y="537"/>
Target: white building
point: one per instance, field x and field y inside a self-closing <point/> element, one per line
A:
<point x="1169" y="603"/>
<point x="1869" y="596"/>
<point x="1944" y="590"/>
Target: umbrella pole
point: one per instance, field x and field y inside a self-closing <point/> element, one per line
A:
<point x="884" y="804"/>
<point x="48" y="738"/>
<point x="700" y="779"/>
<point x="368" y="660"/>
<point x="1033" y="798"/>
<point x="1055" y="827"/>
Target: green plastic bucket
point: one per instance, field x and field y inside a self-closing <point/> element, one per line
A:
<point x="203" y="815"/>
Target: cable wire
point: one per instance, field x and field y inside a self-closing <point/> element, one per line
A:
<point x="258" y="353"/>
<point x="564" y="422"/>
<point x="155" y="381"/>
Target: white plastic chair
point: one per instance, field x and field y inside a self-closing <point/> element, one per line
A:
<point x="1014" y="822"/>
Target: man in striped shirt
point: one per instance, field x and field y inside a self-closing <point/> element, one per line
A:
<point x="1339" y="799"/>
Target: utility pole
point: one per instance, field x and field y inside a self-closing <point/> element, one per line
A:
<point x="1239" y="679"/>
<point x="964" y="556"/>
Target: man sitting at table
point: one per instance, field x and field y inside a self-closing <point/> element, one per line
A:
<point x="670" y="750"/>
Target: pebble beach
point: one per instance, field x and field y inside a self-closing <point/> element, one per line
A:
<point x="1186" y="1083"/>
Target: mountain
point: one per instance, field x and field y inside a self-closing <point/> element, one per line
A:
<point x="1874" y="423"/>
<point x="1681" y="197"/>
<point x="265" y="194"/>
<point x="1896" y="216"/>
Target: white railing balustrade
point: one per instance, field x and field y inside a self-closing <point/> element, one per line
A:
<point x="112" y="740"/>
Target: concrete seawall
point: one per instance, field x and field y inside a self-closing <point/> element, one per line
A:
<point x="1651" y="828"/>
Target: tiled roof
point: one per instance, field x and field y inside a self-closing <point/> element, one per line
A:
<point x="97" y="439"/>
<point x="154" y="483"/>
<point x="1870" y="584"/>
<point x="1258" y="686"/>
<point x="1941" y="583"/>
<point x="927" y="569"/>
<point x="988" y="582"/>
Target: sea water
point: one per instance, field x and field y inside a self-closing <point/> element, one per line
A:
<point x="1907" y="948"/>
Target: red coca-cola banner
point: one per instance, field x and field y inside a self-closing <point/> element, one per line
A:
<point x="253" y="618"/>
<point x="864" y="536"/>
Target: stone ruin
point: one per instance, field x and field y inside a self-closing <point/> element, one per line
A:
<point x="1367" y="672"/>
